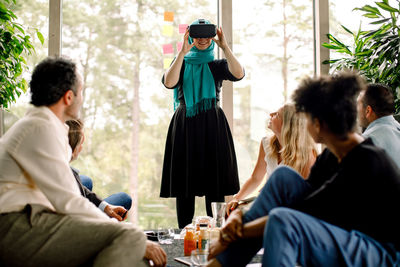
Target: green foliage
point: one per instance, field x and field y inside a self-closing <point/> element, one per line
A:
<point x="14" y="44"/>
<point x="374" y="53"/>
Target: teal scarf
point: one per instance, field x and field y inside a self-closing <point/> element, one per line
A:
<point x="198" y="82"/>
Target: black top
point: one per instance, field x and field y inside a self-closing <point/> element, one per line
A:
<point x="362" y="192"/>
<point x="85" y="191"/>
<point x="199" y="157"/>
<point x="220" y="71"/>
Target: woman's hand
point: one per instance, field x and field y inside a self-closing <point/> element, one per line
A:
<point x="186" y="46"/>
<point x="221" y="41"/>
<point x="232" y="205"/>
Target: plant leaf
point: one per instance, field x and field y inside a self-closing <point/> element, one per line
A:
<point x="40" y="36"/>
<point x="380" y="21"/>
<point x="386" y="7"/>
<point x="368" y="8"/>
<point x="347" y="30"/>
<point x="371" y="15"/>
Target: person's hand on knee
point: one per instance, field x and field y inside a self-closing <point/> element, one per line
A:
<point x="117" y="212"/>
<point x="156" y="254"/>
<point x="232" y="205"/>
<point x="233" y="228"/>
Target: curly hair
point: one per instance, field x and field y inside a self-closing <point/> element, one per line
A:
<point x="75" y="132"/>
<point x="297" y="145"/>
<point x="380" y="98"/>
<point x="51" y="79"/>
<point x="331" y="100"/>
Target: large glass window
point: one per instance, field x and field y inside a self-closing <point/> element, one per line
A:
<point x="33" y="15"/>
<point x="342" y="12"/>
<point x="122" y="47"/>
<point x="274" y="42"/>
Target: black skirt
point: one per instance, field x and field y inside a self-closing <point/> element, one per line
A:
<point x="199" y="156"/>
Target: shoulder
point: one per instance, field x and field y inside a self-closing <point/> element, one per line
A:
<point x="265" y="141"/>
<point x="35" y="129"/>
<point x="370" y="157"/>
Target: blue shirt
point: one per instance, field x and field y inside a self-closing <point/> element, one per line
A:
<point x="385" y="133"/>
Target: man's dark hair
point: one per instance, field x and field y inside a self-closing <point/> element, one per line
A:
<point x="331" y="100"/>
<point x="51" y="79"/>
<point x="380" y="98"/>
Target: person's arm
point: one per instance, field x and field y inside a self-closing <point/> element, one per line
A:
<point x="251" y="184"/>
<point x="171" y="76"/>
<point x="234" y="65"/>
<point x="254" y="228"/>
<point x="112" y="211"/>
<point x="234" y="229"/>
<point x="43" y="154"/>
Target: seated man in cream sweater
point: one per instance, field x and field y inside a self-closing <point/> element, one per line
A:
<point x="44" y="219"/>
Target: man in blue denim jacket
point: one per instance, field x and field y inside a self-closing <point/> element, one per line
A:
<point x="375" y="114"/>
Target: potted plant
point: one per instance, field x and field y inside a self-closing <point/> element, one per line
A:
<point x="375" y="53"/>
<point x="14" y="46"/>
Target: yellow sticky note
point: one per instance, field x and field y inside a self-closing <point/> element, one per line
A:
<point x="167" y="62"/>
<point x="168" y="16"/>
<point x="167" y="30"/>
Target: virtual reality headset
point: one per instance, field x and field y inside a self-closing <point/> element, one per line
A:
<point x="202" y="30"/>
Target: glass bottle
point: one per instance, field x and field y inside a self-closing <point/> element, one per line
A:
<point x="189" y="242"/>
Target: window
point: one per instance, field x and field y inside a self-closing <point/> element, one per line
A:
<point x="341" y="13"/>
<point x="274" y="42"/>
<point x="127" y="110"/>
<point x="32" y="14"/>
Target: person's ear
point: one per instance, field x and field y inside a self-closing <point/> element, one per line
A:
<point x="368" y="112"/>
<point x="69" y="97"/>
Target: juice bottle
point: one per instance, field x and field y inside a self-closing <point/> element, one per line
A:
<point x="204" y="239"/>
<point x="189" y="242"/>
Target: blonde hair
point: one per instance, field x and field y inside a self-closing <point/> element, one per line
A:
<point x="297" y="145"/>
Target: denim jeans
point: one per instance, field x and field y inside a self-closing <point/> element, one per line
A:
<point x="117" y="199"/>
<point x="291" y="236"/>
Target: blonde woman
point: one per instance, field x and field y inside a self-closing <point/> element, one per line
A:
<point x="290" y="145"/>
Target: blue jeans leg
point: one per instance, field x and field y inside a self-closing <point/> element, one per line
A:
<point x="284" y="187"/>
<point x="292" y="236"/>
<point x="86" y="181"/>
<point x="120" y="199"/>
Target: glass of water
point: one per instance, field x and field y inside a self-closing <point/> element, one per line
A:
<point x="199" y="257"/>
<point x="165" y="236"/>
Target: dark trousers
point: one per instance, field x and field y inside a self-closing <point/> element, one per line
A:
<point x="185" y="208"/>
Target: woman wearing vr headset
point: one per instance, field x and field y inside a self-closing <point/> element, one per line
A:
<point x="199" y="157"/>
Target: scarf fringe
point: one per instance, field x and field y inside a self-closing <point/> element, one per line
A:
<point x="202" y="106"/>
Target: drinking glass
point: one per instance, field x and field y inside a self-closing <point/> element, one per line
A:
<point x="165" y="236"/>
<point x="198" y="257"/>
<point x="218" y="211"/>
